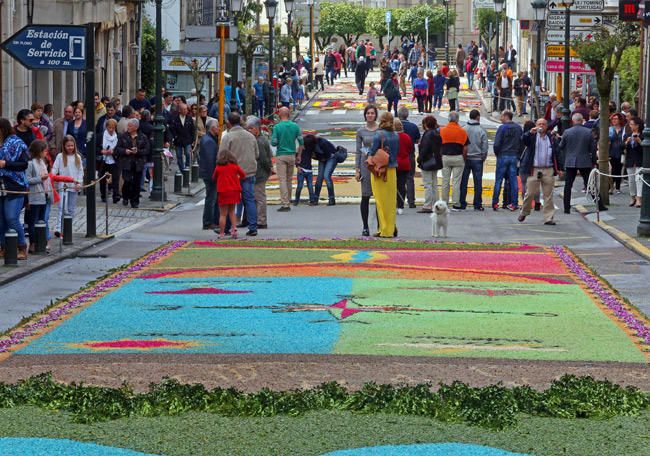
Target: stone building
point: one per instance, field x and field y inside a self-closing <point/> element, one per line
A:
<point x="117" y="52"/>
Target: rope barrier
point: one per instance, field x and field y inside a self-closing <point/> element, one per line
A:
<point x="593" y="183"/>
<point x="106" y="176"/>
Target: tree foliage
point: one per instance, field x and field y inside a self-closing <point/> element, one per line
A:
<point x="148" y="81"/>
<point x="604" y="55"/>
<point x="411" y="21"/>
<point x="628" y="71"/>
<point x="343" y="19"/>
<point x="485" y="17"/>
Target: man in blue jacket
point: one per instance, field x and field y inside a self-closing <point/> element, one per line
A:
<point x="507" y="147"/>
<point x="541" y="162"/>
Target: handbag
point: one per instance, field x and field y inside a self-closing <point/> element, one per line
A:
<point x="341" y="154"/>
<point x="429" y="164"/>
<point x="378" y="163"/>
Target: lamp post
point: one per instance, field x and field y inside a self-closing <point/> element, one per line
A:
<point x="288" y="6"/>
<point x="446" y="3"/>
<point x="158" y="190"/>
<point x="235" y="7"/>
<point x="311" y="39"/>
<point x="498" y="8"/>
<point x="539" y="7"/>
<point x="271" y="6"/>
<point x="566" y="120"/>
<point x="643" y="228"/>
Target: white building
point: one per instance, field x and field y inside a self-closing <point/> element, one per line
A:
<point x="117" y="52"/>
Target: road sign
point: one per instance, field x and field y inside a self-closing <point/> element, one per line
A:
<point x="49" y="47"/>
<point x="389" y="16"/>
<point x="554" y="50"/>
<point x="558" y="21"/>
<point x="426" y="23"/>
<point x="575" y="66"/>
<point x="557" y="36"/>
<point x="579" y="5"/>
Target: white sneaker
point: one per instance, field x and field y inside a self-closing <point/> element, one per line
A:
<point x="400" y="211"/>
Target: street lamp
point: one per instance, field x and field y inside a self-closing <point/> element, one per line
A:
<point x="271" y="7"/>
<point x="236" y="7"/>
<point x="158" y="191"/>
<point x="288" y="5"/>
<point x="498" y="8"/>
<point x="643" y="228"/>
<point x="539" y="7"/>
<point x="311" y="39"/>
<point x="566" y="120"/>
<point x="446" y="3"/>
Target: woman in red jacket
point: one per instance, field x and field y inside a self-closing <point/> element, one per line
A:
<point x="406" y="148"/>
<point x="228" y="176"/>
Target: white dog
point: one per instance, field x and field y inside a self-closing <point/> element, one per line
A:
<point x="439" y="219"/>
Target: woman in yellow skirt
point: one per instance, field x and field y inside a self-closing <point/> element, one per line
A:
<point x="385" y="188"/>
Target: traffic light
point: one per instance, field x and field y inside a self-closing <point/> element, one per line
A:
<point x="628" y="10"/>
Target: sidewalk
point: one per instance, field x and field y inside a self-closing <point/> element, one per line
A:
<point x="120" y="219"/>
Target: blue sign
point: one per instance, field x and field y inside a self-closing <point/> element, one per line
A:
<point x="389" y="16"/>
<point x="49" y="47"/>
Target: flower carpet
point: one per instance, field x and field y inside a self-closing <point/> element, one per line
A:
<point x="356" y="297"/>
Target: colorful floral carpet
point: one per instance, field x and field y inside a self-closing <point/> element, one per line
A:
<point x="353" y="297"/>
<point x="24" y="446"/>
<point x="436" y="449"/>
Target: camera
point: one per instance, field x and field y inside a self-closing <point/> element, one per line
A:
<point x="635" y="136"/>
<point x="539" y="174"/>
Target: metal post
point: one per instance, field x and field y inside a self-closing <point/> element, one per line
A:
<point x="289" y="34"/>
<point x="178" y="182"/>
<point x="643" y="228"/>
<point x="221" y="29"/>
<point x="496" y="46"/>
<point x="91" y="216"/>
<point x="538" y="82"/>
<point x="67" y="230"/>
<point x="311" y="39"/>
<point x="40" y="243"/>
<point x="158" y="189"/>
<point x="11" y="248"/>
<point x="234" y="75"/>
<point x="566" y="120"/>
<point x="272" y="90"/>
<point x="447" y="31"/>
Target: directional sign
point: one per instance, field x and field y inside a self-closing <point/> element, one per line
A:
<point x="553" y="50"/>
<point x="557" y="36"/>
<point x="579" y="5"/>
<point x="558" y="21"/>
<point x="389" y="16"/>
<point x="575" y="66"/>
<point x="49" y="47"/>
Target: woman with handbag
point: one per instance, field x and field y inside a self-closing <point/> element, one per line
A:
<point x="131" y="149"/>
<point x="430" y="161"/>
<point x="365" y="137"/>
<point x="453" y="87"/>
<point x="382" y="162"/>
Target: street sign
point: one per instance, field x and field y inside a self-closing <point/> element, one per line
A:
<point x="389" y="16"/>
<point x="49" y="47"/>
<point x="182" y="63"/>
<point x="579" y="5"/>
<point x="575" y="66"/>
<point x="557" y="36"/>
<point x="426" y="23"/>
<point x="558" y="21"/>
<point x="554" y="50"/>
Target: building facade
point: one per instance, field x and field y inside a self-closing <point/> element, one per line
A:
<point x="117" y="52"/>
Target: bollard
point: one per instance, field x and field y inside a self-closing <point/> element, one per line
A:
<point x="186" y="177"/>
<point x="178" y="182"/>
<point x="195" y="173"/>
<point x="67" y="230"/>
<point x="40" y="243"/>
<point x="11" y="248"/>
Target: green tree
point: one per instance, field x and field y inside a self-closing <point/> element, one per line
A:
<point x="376" y="24"/>
<point x="628" y="70"/>
<point x="485" y="17"/>
<point x="603" y="55"/>
<point x="343" y="19"/>
<point x="148" y="81"/>
<point x="411" y="21"/>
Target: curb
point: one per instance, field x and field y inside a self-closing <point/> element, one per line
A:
<point x="54" y="259"/>
<point x="309" y="101"/>
<point x="628" y="241"/>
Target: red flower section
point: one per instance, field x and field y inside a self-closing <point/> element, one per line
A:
<point x="191" y="291"/>
<point x="135" y="344"/>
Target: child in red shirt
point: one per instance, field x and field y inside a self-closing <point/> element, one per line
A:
<point x="228" y="176"/>
<point x="445" y="69"/>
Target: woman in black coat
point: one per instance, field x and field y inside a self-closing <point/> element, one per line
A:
<point x="131" y="151"/>
<point x="430" y="162"/>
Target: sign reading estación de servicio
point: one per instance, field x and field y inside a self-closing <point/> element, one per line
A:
<point x="49" y="47"/>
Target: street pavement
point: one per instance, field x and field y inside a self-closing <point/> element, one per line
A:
<point x="141" y="230"/>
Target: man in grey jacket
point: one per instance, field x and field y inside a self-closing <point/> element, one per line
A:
<point x="243" y="146"/>
<point x="207" y="162"/>
<point x="578" y="149"/>
<point x="476" y="155"/>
